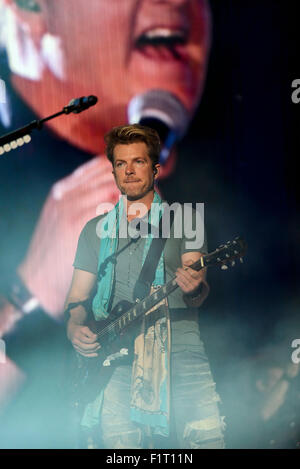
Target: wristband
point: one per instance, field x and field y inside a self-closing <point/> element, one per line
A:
<point x="70" y="306"/>
<point x="192" y="299"/>
<point x="21" y="298"/>
<point x="196" y="293"/>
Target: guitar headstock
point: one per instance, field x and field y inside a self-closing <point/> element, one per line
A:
<point x="226" y="254"/>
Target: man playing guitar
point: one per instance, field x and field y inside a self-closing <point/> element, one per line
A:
<point x="166" y="387"/>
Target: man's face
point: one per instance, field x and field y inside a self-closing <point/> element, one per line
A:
<point x="116" y="49"/>
<point x="133" y="170"/>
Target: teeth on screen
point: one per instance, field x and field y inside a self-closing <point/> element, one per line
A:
<point x="160" y="32"/>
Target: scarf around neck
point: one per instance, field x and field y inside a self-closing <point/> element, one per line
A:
<point x="150" y="371"/>
<point x="109" y="234"/>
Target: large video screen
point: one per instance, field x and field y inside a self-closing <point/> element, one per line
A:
<point x="216" y="80"/>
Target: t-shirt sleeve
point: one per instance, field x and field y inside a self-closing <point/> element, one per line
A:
<point x="86" y="257"/>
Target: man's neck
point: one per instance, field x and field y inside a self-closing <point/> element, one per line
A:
<point x="145" y="202"/>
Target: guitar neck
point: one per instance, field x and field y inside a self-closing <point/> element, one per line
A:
<point x="221" y="256"/>
<point x="141" y="307"/>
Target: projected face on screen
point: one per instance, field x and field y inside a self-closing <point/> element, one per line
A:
<point x="114" y="49"/>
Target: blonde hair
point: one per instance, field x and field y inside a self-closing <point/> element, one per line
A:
<point x="126" y="134"/>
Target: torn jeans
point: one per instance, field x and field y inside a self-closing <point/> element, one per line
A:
<point x="195" y="417"/>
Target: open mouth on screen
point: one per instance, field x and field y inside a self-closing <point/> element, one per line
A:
<point x="163" y="39"/>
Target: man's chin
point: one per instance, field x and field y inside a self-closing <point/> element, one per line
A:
<point x="135" y="195"/>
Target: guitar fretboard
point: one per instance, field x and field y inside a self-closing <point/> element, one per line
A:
<point x="141" y="307"/>
<point x="225" y="253"/>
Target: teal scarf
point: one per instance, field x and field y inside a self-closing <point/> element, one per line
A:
<point x="109" y="234"/>
<point x="159" y="417"/>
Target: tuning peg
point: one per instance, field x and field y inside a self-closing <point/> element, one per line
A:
<point x="224" y="267"/>
<point x="232" y="263"/>
<point x="241" y="260"/>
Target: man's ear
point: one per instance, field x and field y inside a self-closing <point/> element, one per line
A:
<point x="28" y="15"/>
<point x="156" y="170"/>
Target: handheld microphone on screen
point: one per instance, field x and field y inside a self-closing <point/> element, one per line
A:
<point x="162" y="111"/>
<point x="18" y="137"/>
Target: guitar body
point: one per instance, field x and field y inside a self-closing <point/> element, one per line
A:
<point x="91" y="374"/>
<point x="116" y="334"/>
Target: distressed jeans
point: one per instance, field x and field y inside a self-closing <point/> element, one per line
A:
<point x="195" y="421"/>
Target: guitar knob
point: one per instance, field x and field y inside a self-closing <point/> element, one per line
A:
<point x="224" y="267"/>
<point x="232" y="264"/>
<point x="241" y="260"/>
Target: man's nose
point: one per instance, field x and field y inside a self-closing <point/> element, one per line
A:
<point x="129" y="169"/>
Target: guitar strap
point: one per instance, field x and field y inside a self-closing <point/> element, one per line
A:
<point x="143" y="284"/>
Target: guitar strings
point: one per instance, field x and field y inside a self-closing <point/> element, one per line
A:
<point x="114" y="323"/>
<point x="111" y="326"/>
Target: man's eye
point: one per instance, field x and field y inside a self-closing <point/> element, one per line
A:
<point x="140" y="161"/>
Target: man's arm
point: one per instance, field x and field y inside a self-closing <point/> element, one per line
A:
<point x="82" y="338"/>
<point x="192" y="283"/>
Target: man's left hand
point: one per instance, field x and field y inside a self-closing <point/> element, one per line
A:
<point x="187" y="279"/>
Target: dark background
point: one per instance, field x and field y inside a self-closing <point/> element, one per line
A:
<point x="239" y="158"/>
<point x="244" y="144"/>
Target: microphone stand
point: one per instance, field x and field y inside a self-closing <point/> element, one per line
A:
<point x="18" y="137"/>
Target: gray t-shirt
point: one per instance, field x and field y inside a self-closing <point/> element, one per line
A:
<point x="184" y="319"/>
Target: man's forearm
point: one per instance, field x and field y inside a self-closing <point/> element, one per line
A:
<point x="75" y="313"/>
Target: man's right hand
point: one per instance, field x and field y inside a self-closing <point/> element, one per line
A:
<point x="83" y="340"/>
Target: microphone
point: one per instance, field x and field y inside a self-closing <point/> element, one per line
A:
<point x="80" y="104"/>
<point x="18" y="137"/>
<point x="162" y="111"/>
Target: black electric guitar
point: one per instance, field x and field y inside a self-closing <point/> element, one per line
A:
<point x="92" y="374"/>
